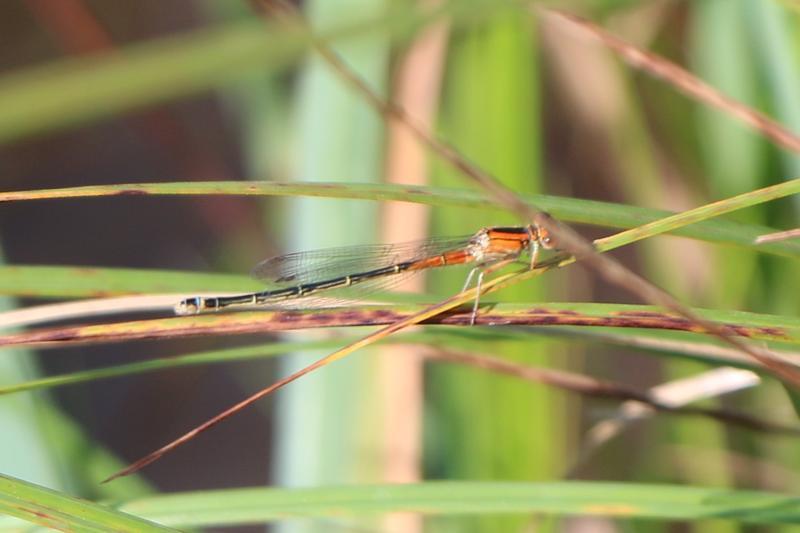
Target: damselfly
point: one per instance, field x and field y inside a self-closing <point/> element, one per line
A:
<point x="298" y="278"/>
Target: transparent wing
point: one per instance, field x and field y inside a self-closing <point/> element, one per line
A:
<point x="341" y="297"/>
<point x="320" y="265"/>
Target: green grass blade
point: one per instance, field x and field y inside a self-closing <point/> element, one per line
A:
<point x="702" y="213"/>
<point x="256" y="505"/>
<point x="63" y="281"/>
<point x="56" y="510"/>
<point x="215" y="356"/>
<point x="93" y="282"/>
<point x="142" y="74"/>
<point x="101" y="86"/>
<point x="774" y="41"/>
<point x="478" y="340"/>
<point x="568" y="209"/>
<point x="620" y="500"/>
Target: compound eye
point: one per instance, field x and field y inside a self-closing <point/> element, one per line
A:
<point x="546" y="241"/>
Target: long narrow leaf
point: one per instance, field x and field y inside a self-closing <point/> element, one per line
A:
<point x="750" y="325"/>
<point x="107" y="85"/>
<point x="650" y="340"/>
<point x="568" y="209"/>
<point x="621" y="500"/>
<point x="97" y="282"/>
<point x="59" y="511"/>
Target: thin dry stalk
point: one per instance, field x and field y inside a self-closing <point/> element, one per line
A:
<point x="592" y="387"/>
<point x="682" y="79"/>
<point x="778" y="236"/>
<point x="372" y="338"/>
<point x="614" y="272"/>
<point x="563" y="237"/>
<point x="677" y="394"/>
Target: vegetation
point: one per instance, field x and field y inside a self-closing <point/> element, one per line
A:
<point x="169" y="165"/>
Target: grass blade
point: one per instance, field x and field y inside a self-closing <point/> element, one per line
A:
<point x="568" y="209"/>
<point x="621" y="500"/>
<point x="56" y="510"/>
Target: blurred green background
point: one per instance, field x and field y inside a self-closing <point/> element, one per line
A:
<point x="98" y="92"/>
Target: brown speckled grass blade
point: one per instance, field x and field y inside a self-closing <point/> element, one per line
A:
<point x="748" y="325"/>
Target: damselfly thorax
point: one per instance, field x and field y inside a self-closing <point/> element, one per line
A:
<point x="299" y="276"/>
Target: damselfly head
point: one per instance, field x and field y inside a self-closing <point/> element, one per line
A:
<point x="544" y="238"/>
<point x="190" y="306"/>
